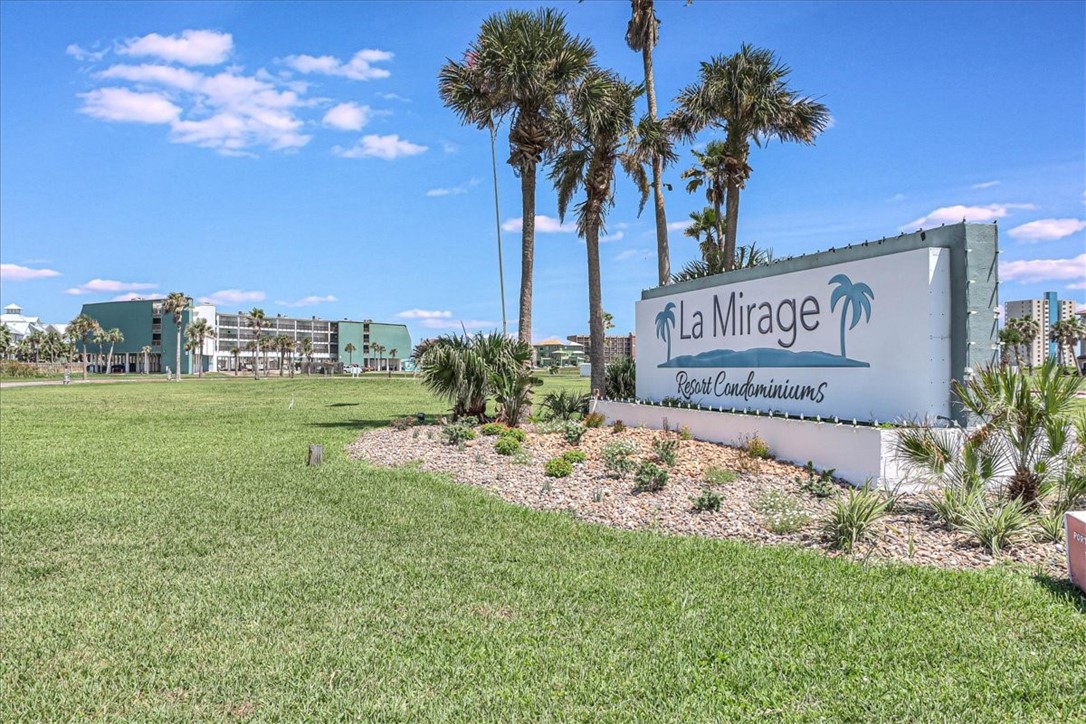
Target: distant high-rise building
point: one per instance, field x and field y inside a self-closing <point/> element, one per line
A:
<point x="614" y="346"/>
<point x="1046" y="312"/>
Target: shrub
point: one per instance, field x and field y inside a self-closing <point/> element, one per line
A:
<point x="707" y="502"/>
<point x="720" y="476"/>
<point x="618" y="456"/>
<point x="852" y="517"/>
<point x="781" y="514"/>
<point x="666" y="450"/>
<point x="467" y="371"/>
<point x="15" y="368"/>
<point x="685" y="434"/>
<point x="402" y="423"/>
<point x="756" y="447"/>
<point x="573" y="432"/>
<point x="818" y="484"/>
<point x="593" y="419"/>
<point x="506" y="446"/>
<point x="575" y="456"/>
<point x="521" y="457"/>
<point x="672" y="401"/>
<point x="549" y="427"/>
<point x="618" y="427"/>
<point x="1050" y="527"/>
<point x="513" y="433"/>
<point x="564" y="404"/>
<point x="650" y="477"/>
<point x="457" y="433"/>
<point x="493" y="428"/>
<point x="558" y="468"/>
<point x="952" y="503"/>
<point x="997" y="526"/>
<point x="621" y="379"/>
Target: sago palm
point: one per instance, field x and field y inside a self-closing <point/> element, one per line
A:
<point x="746" y="96"/>
<point x="518" y="68"/>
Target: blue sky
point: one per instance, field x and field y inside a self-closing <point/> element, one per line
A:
<point x="296" y="156"/>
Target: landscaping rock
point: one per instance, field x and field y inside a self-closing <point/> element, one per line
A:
<point x="910" y="533"/>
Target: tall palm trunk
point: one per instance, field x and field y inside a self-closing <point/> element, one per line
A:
<point x="527" y="250"/>
<point x="731" y="223"/>
<point x="84" y="359"/>
<point x="663" y="258"/>
<point x="595" y="304"/>
<point x="177" y="370"/>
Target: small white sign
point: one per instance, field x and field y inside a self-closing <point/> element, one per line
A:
<point x="867" y="339"/>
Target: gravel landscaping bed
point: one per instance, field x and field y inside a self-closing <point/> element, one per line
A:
<point x="591" y="493"/>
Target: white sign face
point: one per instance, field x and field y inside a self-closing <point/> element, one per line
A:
<point x="867" y="339"/>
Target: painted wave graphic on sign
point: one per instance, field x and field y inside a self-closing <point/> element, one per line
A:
<point x="762" y="357"/>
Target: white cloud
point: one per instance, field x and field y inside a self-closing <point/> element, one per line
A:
<point x="454" y="190"/>
<point x="473" y="324"/>
<point x="897" y="197"/>
<point x="17" y="273"/>
<point x="109" y="286"/>
<point x="359" y="67"/>
<point x="393" y="97"/>
<point x="85" y="55"/>
<point x="387" y="147"/>
<point x="309" y="301"/>
<point x="677" y="225"/>
<point x="424" y="314"/>
<point x="127" y="297"/>
<point x="955" y="214"/>
<point x="543" y="225"/>
<point x="1078" y="286"/>
<point x="985" y="185"/>
<point x="227" y="112"/>
<point x="630" y="254"/>
<point x="123" y="105"/>
<point x="347" y="117"/>
<point x="449" y="147"/>
<point x="1046" y="230"/>
<point x="192" y="47"/>
<point x="617" y="236"/>
<point x="1043" y="270"/>
<point x="232" y="296"/>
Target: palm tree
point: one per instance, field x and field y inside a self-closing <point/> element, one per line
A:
<point x="305" y="346"/>
<point x="665" y="320"/>
<point x="600" y="132"/>
<point x="100" y="338"/>
<point x="642" y="34"/>
<point x="283" y="345"/>
<point x="377" y="349"/>
<point x="350" y="350"/>
<point x="391" y="357"/>
<point x="1028" y="329"/>
<point x="176" y="303"/>
<point x="857" y="296"/>
<point x="467" y="371"/>
<point x="253" y="345"/>
<point x="1066" y="333"/>
<point x="256" y="323"/>
<point x="113" y="336"/>
<point x="266" y="344"/>
<point x="235" y="352"/>
<point x="1009" y="339"/>
<point x="519" y="66"/>
<point x="712" y="171"/>
<point x="199" y="332"/>
<point x="145" y="350"/>
<point x="746" y="96"/>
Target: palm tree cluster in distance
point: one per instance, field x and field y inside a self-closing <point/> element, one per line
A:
<point x="526" y="69"/>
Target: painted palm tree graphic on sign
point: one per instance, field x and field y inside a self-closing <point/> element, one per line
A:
<point x="665" y="320"/>
<point x="856" y="296"/>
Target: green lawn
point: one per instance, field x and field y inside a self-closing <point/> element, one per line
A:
<point x="167" y="555"/>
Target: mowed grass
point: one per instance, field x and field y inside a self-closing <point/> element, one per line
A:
<point x="166" y="554"/>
